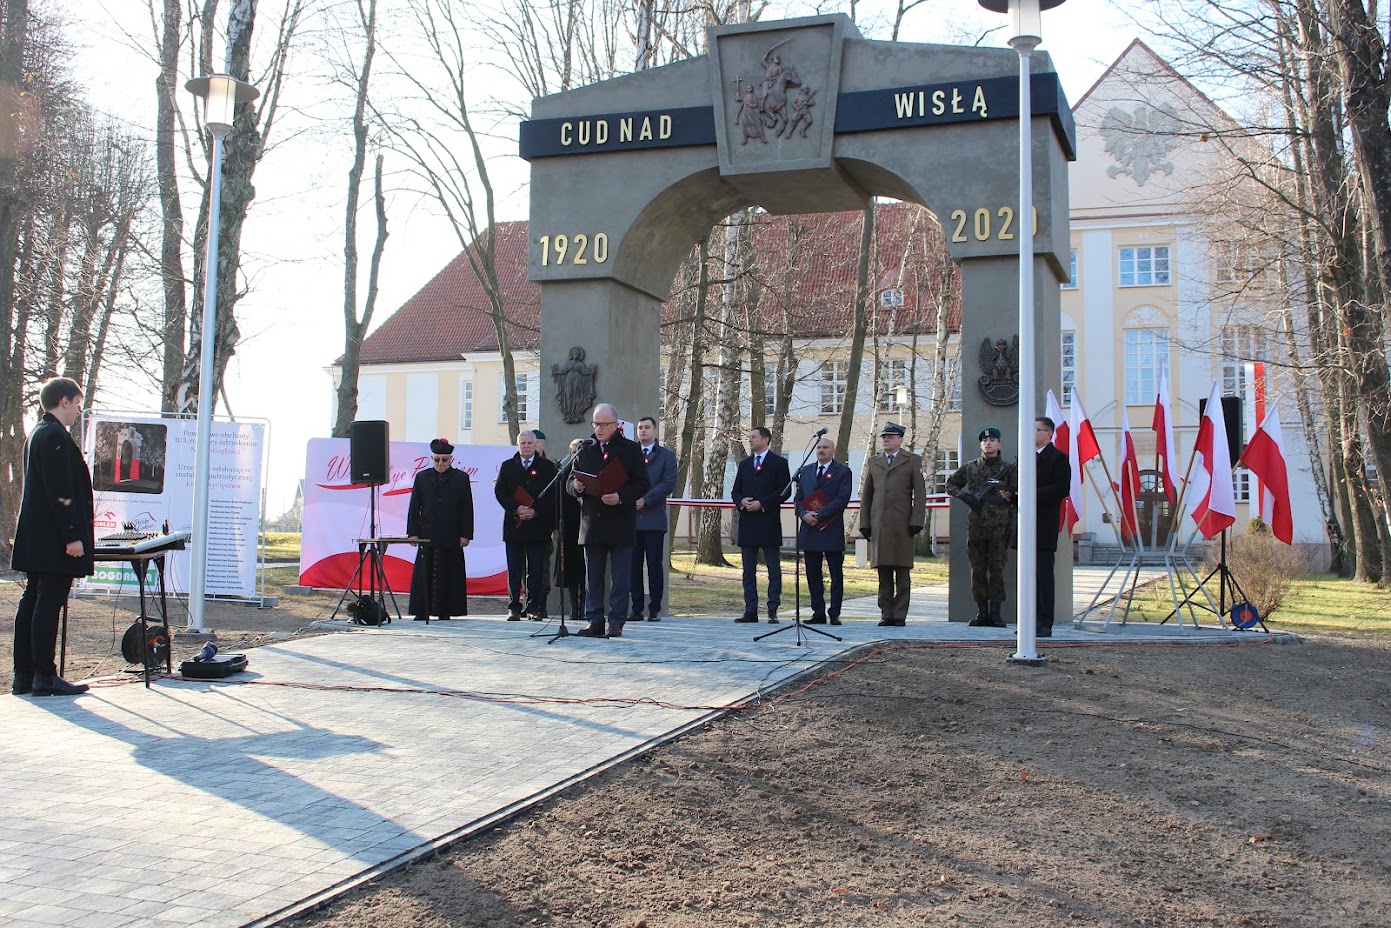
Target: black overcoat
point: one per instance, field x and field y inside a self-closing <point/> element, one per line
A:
<point x="835" y="484"/>
<point x="441" y="509"/>
<point x="771" y="485"/>
<point x="601" y="524"/>
<point x="57" y="507"/>
<point x="511" y="477"/>
<point x="1054" y="480"/>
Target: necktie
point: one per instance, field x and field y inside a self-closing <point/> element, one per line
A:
<point x="758" y="462"/>
<point x="647" y="455"/>
<point x="526" y="465"/>
<point x="820" y="471"/>
<point x="889" y="460"/>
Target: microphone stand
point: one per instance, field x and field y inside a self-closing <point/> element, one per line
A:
<point x="797" y="622"/>
<point x="561" y="473"/>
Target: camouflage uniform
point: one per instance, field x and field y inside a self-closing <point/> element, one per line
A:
<point x="987" y="528"/>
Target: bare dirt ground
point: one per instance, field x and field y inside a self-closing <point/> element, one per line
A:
<point x="1136" y="786"/>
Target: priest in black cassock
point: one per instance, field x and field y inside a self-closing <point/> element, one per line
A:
<point x="441" y="510"/>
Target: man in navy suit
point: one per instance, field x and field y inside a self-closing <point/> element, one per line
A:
<point x="761" y="485"/>
<point x="652" y="522"/>
<point x="822" y="493"/>
<point x="1054" y="481"/>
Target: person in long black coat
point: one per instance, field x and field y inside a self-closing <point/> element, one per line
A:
<point x="761" y="485"/>
<point x="608" y="523"/>
<point x="821" y="531"/>
<point x="1054" y="481"/>
<point x="569" y="561"/>
<point x="53" y="541"/>
<point x="441" y="509"/>
<point x="527" y="524"/>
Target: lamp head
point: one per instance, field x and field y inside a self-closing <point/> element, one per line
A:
<point x="1024" y="15"/>
<point x="221" y="93"/>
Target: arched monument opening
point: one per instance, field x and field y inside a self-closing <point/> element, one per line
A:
<point x="793" y="116"/>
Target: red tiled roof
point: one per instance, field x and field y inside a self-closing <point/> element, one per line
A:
<point x="449" y="316"/>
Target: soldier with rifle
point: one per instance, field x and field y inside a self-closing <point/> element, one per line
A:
<point x="987" y="486"/>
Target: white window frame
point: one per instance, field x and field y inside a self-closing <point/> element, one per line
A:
<point x="770" y="389"/>
<point x="948" y="461"/>
<point x="1144" y="266"/>
<point x="465" y="404"/>
<point x="1071" y="282"/>
<point x="1145" y="353"/>
<point x="891" y="297"/>
<point x="835" y="382"/>
<point x="1069" y="365"/>
<point x="523" y="396"/>
<point x="892" y="375"/>
<point x="1240" y="345"/>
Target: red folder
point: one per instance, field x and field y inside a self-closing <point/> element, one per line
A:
<point x="522" y="498"/>
<point x="610" y="478"/>
<point x="813" y="503"/>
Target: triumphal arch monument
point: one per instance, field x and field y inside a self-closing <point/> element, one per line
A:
<point x="793" y="116"/>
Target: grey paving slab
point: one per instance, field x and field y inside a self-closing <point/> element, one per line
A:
<point x="339" y="757"/>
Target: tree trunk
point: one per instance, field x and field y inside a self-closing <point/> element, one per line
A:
<point x="694" y="371"/>
<point x="170" y="204"/>
<point x="857" y="335"/>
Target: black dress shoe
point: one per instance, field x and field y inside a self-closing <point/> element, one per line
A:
<point x="654" y="618"/>
<point x="835" y="620"/>
<point x="592" y="630"/>
<point x="772" y="620"/>
<point x="891" y="623"/>
<point x="23" y="683"/>
<point x="636" y="616"/>
<point x="747" y="617"/>
<point x="536" y="616"/>
<point x="817" y="619"/>
<point x="1044" y="633"/>
<point x="45" y="685"/>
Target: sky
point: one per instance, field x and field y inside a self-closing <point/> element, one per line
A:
<point x="292" y="317"/>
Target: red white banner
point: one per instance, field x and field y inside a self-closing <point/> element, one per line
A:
<point x="1163" y="426"/>
<point x="1070" y="513"/>
<point x="1129" y="486"/>
<point x="337" y="512"/>
<point x="1265" y="457"/>
<point x="1212" y="479"/>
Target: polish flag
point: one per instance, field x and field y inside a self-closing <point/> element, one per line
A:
<point x="1130" y="481"/>
<point x="1087" y="445"/>
<point x="1163" y="427"/>
<point x="1070" y="513"/>
<point x="1212" y="480"/>
<point x="1265" y="457"/>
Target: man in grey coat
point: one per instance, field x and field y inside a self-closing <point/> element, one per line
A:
<point x="893" y="508"/>
<point x="652" y="522"/>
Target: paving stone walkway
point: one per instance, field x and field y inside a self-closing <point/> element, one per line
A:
<point x="337" y="758"/>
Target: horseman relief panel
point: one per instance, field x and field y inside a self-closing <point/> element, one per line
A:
<point x="776" y="98"/>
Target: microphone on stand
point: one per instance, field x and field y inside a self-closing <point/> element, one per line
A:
<point x="821" y="432"/>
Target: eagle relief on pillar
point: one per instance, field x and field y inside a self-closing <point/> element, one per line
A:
<point x="999" y="364"/>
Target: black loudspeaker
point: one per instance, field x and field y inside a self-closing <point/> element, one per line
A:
<point x="368" y="449"/>
<point x="1231" y="414"/>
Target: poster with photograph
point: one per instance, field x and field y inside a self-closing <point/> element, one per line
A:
<point x="143" y="476"/>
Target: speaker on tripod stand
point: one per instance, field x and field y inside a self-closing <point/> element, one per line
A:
<point x="369" y="463"/>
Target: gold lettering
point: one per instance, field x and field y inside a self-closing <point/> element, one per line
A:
<point x="645" y="134"/>
<point x="903" y="103"/>
<point x="956" y="100"/>
<point x="625" y="129"/>
<point x="601" y="132"/>
<point x="665" y="123"/>
<point x="979" y="105"/>
<point x="565" y="132"/>
<point x="939" y="105"/>
<point x="584" y="132"/>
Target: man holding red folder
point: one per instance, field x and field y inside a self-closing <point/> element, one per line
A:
<point x="609" y="478"/>
<point x="821" y="495"/>
<point x="527" y="525"/>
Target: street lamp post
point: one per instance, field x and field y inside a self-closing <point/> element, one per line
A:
<point x="220" y="94"/>
<point x="1026" y="29"/>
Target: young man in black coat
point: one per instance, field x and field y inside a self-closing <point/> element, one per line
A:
<point x="53" y="541"/>
<point x="761" y="485"/>
<point x="441" y="509"/>
<point x="526" y="525"/>
<point x="1054" y="480"/>
<point x="608" y="522"/>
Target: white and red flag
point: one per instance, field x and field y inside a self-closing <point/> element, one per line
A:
<point x="1212" y="479"/>
<point x="1071" y="511"/>
<point x="1265" y="457"/>
<point x="1085" y="436"/>
<point x="1163" y="426"/>
<point x="1129" y="487"/>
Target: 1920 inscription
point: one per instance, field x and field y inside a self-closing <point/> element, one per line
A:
<point x="983" y="225"/>
<point x="579" y="248"/>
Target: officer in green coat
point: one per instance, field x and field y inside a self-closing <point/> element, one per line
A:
<point x="988" y="486"/>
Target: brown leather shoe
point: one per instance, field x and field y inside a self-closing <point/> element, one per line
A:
<point x="592" y="630"/>
<point x="615" y="629"/>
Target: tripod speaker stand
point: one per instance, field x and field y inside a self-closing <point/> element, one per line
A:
<point x="1225" y="580"/>
<point x="554" y="489"/>
<point x="371" y="569"/>
<point x="797" y="623"/>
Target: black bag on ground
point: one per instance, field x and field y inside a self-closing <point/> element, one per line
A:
<point x="367" y="611"/>
<point x="213" y="668"/>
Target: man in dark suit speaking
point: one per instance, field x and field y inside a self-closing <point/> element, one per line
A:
<point x="823" y="492"/>
<point x="1054" y="481"/>
<point x="761" y="485"/>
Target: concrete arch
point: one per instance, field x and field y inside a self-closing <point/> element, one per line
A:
<point x="796" y="116"/>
